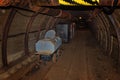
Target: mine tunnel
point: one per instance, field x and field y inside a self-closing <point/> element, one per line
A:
<point x="90" y="48"/>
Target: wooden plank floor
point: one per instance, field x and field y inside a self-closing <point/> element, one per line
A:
<point x="82" y="59"/>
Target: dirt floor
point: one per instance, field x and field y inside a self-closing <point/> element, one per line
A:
<point x="82" y="59"/>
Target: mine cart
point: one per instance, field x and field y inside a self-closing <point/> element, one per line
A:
<point x="48" y="48"/>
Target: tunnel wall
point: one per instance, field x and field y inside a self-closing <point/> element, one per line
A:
<point x="116" y="23"/>
<point x="106" y="32"/>
<point x="15" y="41"/>
<point x="22" y="33"/>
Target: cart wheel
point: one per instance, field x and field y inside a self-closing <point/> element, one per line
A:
<point x="54" y="58"/>
<point x="58" y="53"/>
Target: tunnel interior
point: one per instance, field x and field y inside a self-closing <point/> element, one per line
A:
<point x="21" y="29"/>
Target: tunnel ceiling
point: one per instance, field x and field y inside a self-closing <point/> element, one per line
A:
<point x="35" y="5"/>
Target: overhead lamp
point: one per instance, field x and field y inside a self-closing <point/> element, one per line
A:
<point x="80" y="17"/>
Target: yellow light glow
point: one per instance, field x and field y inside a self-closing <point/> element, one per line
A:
<point x="95" y="1"/>
<point x="65" y="3"/>
<point x="81" y="2"/>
